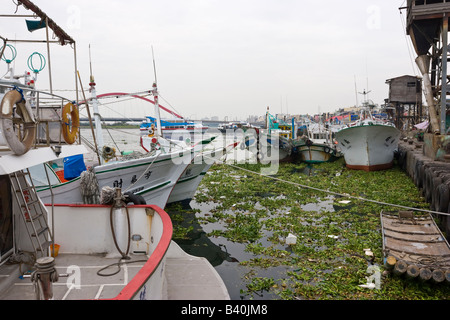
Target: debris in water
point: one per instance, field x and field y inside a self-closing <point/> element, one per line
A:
<point x="291" y="239"/>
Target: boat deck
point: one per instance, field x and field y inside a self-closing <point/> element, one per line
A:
<point x="186" y="278"/>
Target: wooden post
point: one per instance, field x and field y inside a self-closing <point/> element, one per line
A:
<point x="412" y="271"/>
<point x="444" y="74"/>
<point x="390" y="262"/>
<point x="425" y="274"/>
<point x="438" y="276"/>
<point x="447" y="276"/>
<point x="400" y="267"/>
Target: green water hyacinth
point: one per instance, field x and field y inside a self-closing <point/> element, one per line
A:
<point x="328" y="260"/>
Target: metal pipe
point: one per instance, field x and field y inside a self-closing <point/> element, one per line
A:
<point x="90" y="119"/>
<point x="48" y="57"/>
<point x="53" y="209"/>
<point x="444" y="74"/>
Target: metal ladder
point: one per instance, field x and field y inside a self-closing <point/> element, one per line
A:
<point x="32" y="211"/>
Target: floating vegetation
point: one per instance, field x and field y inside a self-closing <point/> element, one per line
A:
<point x="328" y="259"/>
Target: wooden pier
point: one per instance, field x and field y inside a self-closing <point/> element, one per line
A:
<point x="414" y="246"/>
<point x="427" y="163"/>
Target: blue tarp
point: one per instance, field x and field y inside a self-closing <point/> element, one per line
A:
<point x="73" y="166"/>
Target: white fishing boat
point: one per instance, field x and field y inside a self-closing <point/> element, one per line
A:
<point x="80" y="252"/>
<point x="317" y="145"/>
<point x="368" y="143"/>
<point x="147" y="178"/>
<point x="191" y="178"/>
<point x="150" y="176"/>
<point x="275" y="139"/>
<point x="205" y="156"/>
<point x="170" y="127"/>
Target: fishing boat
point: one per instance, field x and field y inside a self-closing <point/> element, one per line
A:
<point x="317" y="145"/>
<point x="205" y="157"/>
<point x="170" y="127"/>
<point x="368" y="143"/>
<point x="149" y="176"/>
<point x="191" y="178"/>
<point x="61" y="251"/>
<point x="276" y="137"/>
<point x="414" y="246"/>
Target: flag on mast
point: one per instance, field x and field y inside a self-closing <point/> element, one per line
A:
<point x="33" y="25"/>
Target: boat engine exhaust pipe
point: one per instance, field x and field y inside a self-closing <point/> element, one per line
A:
<point x="423" y="62"/>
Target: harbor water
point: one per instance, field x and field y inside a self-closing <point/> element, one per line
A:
<point x="244" y="224"/>
<point x="223" y="254"/>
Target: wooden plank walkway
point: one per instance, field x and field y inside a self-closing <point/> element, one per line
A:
<point x="415" y="246"/>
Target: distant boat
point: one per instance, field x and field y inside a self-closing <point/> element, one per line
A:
<point x="204" y="158"/>
<point x="278" y="134"/>
<point x="368" y="143"/>
<point x="317" y="146"/>
<point x="169" y="127"/>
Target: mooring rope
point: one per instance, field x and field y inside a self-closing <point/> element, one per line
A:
<point x="345" y="195"/>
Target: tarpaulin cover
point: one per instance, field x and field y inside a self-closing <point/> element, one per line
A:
<point x="73" y="166"/>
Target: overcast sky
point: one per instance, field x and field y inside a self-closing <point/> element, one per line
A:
<point x="227" y="58"/>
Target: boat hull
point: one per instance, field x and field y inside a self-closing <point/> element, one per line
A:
<point x="368" y="147"/>
<point x="153" y="178"/>
<point x="274" y="147"/>
<point x="315" y="153"/>
<point x="188" y="183"/>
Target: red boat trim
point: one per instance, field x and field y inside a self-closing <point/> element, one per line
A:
<point x="139" y="97"/>
<point x="133" y="287"/>
<point x="173" y="129"/>
<point x="376" y="167"/>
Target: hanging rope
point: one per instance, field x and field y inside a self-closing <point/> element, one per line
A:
<point x="89" y="187"/>
<point x="331" y="192"/>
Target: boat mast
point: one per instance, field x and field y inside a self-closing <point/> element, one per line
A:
<point x="97" y="118"/>
<point x="155" y="95"/>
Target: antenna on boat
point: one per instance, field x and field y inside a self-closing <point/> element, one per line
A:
<point x="155" y="94"/>
<point x="356" y="92"/>
<point x="154" y="65"/>
<point x="94" y="101"/>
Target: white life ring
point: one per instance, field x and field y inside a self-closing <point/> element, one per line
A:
<point x="18" y="143"/>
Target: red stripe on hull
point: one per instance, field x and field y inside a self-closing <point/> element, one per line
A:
<point x="376" y="167"/>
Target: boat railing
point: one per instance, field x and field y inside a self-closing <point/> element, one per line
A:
<point x="47" y="111"/>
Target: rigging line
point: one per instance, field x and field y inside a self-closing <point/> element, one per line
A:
<point x="107" y="130"/>
<point x="101" y="104"/>
<point x="170" y="105"/>
<point x="145" y="93"/>
<point x="332" y="192"/>
<point x="408" y="45"/>
<point x="144" y="172"/>
<point x="116" y="129"/>
<point x="119" y="101"/>
<point x="125" y="132"/>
